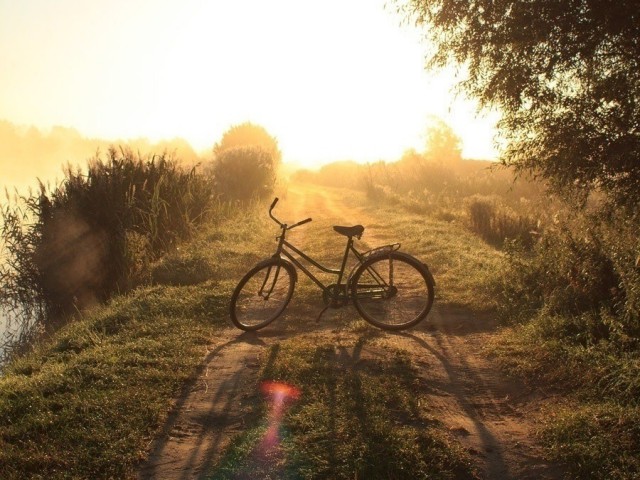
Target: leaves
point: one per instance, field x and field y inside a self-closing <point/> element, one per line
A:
<point x="566" y="76"/>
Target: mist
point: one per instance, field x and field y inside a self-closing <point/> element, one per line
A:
<point x="28" y="153"/>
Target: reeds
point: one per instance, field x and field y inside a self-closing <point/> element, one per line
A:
<point x="95" y="234"/>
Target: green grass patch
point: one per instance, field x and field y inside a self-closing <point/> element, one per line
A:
<point x="594" y="431"/>
<point x="87" y="404"/>
<point x="462" y="264"/>
<point x="88" y="401"/>
<point x="356" y="416"/>
<point x="597" y="440"/>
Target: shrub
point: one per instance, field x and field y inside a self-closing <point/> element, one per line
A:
<point x="495" y="223"/>
<point x="584" y="270"/>
<point x="96" y="233"/>
<point x="244" y="172"/>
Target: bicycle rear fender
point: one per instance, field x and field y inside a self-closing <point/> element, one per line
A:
<point x="384" y="253"/>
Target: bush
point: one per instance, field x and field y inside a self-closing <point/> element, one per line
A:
<point x="96" y="233"/>
<point x="244" y="172"/>
<point x="495" y="223"/>
<point x="585" y="271"/>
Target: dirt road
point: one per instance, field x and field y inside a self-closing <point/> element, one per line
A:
<point x="487" y="413"/>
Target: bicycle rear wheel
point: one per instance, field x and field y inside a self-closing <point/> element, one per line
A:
<point x="393" y="291"/>
<point x="262" y="294"/>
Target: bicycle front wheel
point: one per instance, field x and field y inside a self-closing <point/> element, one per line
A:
<point x="393" y="291"/>
<point x="262" y="294"/>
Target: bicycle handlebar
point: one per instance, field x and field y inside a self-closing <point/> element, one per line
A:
<point x="284" y="225"/>
<point x="306" y="220"/>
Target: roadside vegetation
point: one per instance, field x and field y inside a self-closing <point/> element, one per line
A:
<point x="88" y="401"/>
<point x="99" y="231"/>
<point x="89" y="384"/>
<point x="562" y="275"/>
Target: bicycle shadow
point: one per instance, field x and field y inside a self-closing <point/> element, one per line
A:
<point x="482" y="413"/>
<point x="207" y="426"/>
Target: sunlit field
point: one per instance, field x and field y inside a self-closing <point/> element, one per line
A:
<point x="458" y="295"/>
<point x="483" y="234"/>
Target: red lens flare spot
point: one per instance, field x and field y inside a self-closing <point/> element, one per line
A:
<point x="279" y="390"/>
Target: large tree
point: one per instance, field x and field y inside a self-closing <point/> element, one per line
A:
<point x="564" y="73"/>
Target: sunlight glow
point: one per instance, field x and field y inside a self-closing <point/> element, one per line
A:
<point x="331" y="80"/>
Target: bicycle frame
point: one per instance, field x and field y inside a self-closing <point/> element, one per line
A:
<point x="283" y="250"/>
<point x="370" y="283"/>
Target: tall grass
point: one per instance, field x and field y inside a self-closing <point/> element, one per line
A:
<point x="95" y="234"/>
<point x="584" y="268"/>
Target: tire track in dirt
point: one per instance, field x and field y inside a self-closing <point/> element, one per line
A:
<point x="484" y="411"/>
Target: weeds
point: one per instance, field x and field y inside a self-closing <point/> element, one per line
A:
<point x="574" y="299"/>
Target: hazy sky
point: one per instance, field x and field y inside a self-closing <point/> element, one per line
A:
<point x="332" y="80"/>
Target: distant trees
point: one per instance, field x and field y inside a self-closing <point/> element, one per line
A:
<point x="246" y="162"/>
<point x="442" y="144"/>
<point x="566" y="76"/>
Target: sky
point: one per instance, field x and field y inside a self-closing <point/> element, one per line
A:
<point x="331" y="80"/>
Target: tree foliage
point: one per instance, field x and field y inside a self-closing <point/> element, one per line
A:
<point x="246" y="162"/>
<point x="244" y="172"/>
<point x="249" y="135"/>
<point x="565" y="74"/>
<point x="442" y="143"/>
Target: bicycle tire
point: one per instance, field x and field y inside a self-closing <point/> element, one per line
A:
<point x="393" y="290"/>
<point x="262" y="294"/>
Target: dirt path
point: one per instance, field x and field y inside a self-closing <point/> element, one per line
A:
<point x="487" y="413"/>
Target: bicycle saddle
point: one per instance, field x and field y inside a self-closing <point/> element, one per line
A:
<point x="355" y="231"/>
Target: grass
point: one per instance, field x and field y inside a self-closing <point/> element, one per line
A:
<point x="87" y="402"/>
<point x="571" y="314"/>
<point x="102" y="386"/>
<point x="591" y="425"/>
<point x="350" y="416"/>
<point x="462" y="264"/>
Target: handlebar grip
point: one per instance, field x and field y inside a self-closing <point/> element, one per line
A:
<point x="307" y="220"/>
<point x="273" y="204"/>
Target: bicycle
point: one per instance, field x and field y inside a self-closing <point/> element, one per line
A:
<point x="390" y="289"/>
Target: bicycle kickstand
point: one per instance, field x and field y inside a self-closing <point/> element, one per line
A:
<point x="320" y="314"/>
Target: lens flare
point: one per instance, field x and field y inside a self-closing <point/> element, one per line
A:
<point x="279" y="395"/>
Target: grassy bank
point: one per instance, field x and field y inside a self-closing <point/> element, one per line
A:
<point x="87" y="402"/>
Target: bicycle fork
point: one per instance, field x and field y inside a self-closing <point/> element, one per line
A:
<point x="261" y="292"/>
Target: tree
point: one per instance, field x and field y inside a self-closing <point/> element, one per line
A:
<point x="246" y="162"/>
<point x="564" y="73"/>
<point x="244" y="172"/>
<point x="246" y="135"/>
<point x="442" y="143"/>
